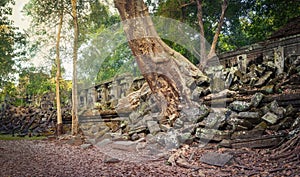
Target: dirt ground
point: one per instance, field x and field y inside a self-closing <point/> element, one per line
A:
<point x="58" y="158"/>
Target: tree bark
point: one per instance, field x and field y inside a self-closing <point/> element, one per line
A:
<point x="74" y="79"/>
<point x="165" y="70"/>
<point x="212" y="51"/>
<point x="58" y="76"/>
<point x="202" y="38"/>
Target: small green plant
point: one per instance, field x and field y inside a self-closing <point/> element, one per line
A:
<point x="10" y="137"/>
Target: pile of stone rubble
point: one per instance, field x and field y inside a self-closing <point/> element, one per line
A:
<point x="29" y="120"/>
<point x="256" y="106"/>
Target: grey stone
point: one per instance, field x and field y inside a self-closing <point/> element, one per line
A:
<point x="94" y="129"/>
<point x="197" y="93"/>
<point x="211" y="134"/>
<point x="134" y="117"/>
<point x="270" y="117"/>
<point x="171" y="140"/>
<point x="247" y="134"/>
<point x="85" y="146"/>
<point x="124" y="145"/>
<point x="135" y="137"/>
<point x="178" y="123"/>
<point x="253" y="117"/>
<point x="240" y="122"/>
<point x="148" y="117"/>
<point x="249" y="115"/>
<point x="109" y="159"/>
<point x="264" y="78"/>
<point x="279" y="111"/>
<point x="214" y="119"/>
<point x="103" y="143"/>
<point x="239" y="106"/>
<point x="256" y="99"/>
<point x="168" y="140"/>
<point x="217" y="159"/>
<point x="91" y="141"/>
<point x="296" y="123"/>
<point x="268" y="89"/>
<point x="185" y="138"/>
<point x="153" y="127"/>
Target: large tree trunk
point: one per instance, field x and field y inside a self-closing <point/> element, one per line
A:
<point x="74" y="80"/>
<point x="165" y="70"/>
<point x="58" y="76"/>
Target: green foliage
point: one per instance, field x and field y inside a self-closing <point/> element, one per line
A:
<point x="119" y="62"/>
<point x="266" y="16"/>
<point x="93" y="22"/>
<point x="246" y="22"/>
<point x="14" y="138"/>
<point x="11" y="44"/>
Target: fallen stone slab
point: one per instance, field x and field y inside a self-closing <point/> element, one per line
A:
<point x="216" y="159"/>
<point x="239" y="106"/>
<point x="260" y="142"/>
<point x="256" y="99"/>
<point x="270" y="117"/>
<point x="264" y="78"/>
<point x="153" y="127"/>
<point x="85" y="146"/>
<point x="124" y="145"/>
<point x="247" y="134"/>
<point x="103" y="142"/>
<point x="212" y="134"/>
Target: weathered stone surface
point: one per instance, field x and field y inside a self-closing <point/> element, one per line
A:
<point x="217" y="159"/>
<point x="168" y="140"/>
<point x="124" y="145"/>
<point x="135" y="137"/>
<point x="279" y="111"/>
<point x="134" y="117"/>
<point x="270" y="117"/>
<point x="91" y="141"/>
<point x="268" y="89"/>
<point x="178" y="123"/>
<point x="239" y="106"/>
<point x="264" y="78"/>
<point x="85" y="146"/>
<point x="186" y="138"/>
<point x="236" y="123"/>
<point x="211" y="134"/>
<point x="247" y="134"/>
<point x="103" y="142"/>
<point x="296" y="123"/>
<point x="261" y="126"/>
<point x="214" y="119"/>
<point x="153" y="127"/>
<point x="256" y="99"/>
<point x="261" y="142"/>
<point x="248" y="115"/>
<point x="171" y="140"/>
<point x="286" y="123"/>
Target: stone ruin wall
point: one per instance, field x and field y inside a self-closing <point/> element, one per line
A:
<point x="106" y="95"/>
<point x="267" y="50"/>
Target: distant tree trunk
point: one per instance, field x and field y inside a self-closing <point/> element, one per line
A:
<point x="58" y="77"/>
<point x="212" y="51"/>
<point x="165" y="70"/>
<point x="74" y="80"/>
<point x="202" y="37"/>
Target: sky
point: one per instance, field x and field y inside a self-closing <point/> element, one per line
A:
<point x="20" y="20"/>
